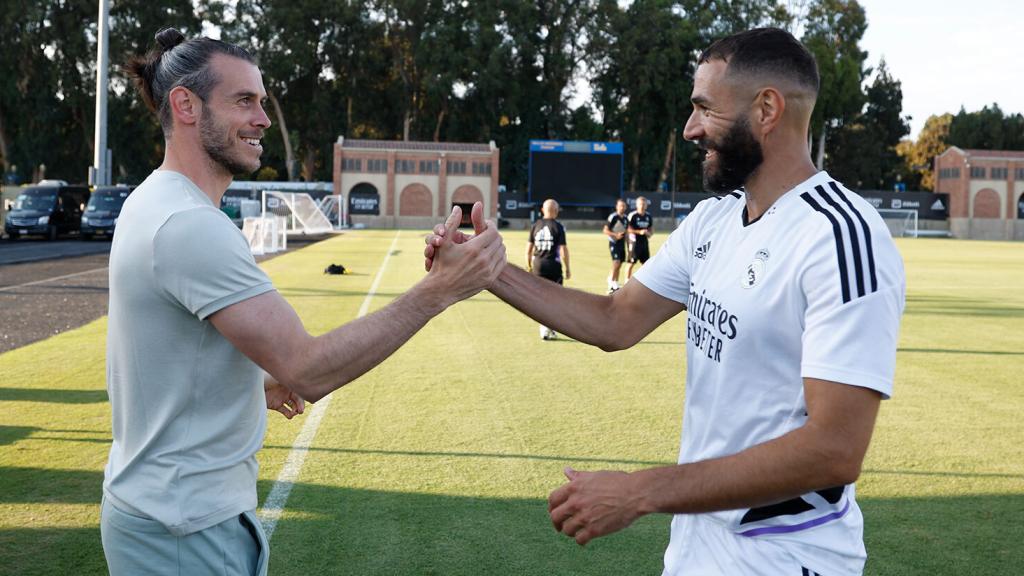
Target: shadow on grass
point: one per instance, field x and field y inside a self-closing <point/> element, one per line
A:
<point x="568" y="460"/>
<point x="51" y="395"/>
<point x="968" y="352"/>
<point x="12" y="434"/>
<point x="942" y="474"/>
<point x="48" y="486"/>
<point x="370" y="532"/>
<point x="955" y="306"/>
<point x="328" y="530"/>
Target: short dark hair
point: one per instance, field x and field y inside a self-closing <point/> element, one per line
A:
<point x="178" y="62"/>
<point x="770" y="50"/>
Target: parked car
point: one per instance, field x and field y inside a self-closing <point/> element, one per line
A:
<point x="101" y="212"/>
<point x="49" y="209"/>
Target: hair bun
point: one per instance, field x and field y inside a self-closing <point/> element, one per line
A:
<point x="168" y="38"/>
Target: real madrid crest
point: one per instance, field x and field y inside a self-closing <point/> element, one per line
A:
<point x="755" y="270"/>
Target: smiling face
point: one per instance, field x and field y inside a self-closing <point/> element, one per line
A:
<point x="720" y="126"/>
<point x="620" y="207"/>
<point x="233" y="120"/>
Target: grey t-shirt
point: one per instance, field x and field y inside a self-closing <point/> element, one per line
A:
<point x="189" y="411"/>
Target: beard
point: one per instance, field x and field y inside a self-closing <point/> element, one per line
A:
<point x="217" y="143"/>
<point x="737" y="156"/>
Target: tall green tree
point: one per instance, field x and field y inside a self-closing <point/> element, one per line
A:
<point x="863" y="151"/>
<point x="832" y="32"/>
<point x="133" y="132"/>
<point x="643" y="59"/>
<point x="46" y="96"/>
<point x="987" y="129"/>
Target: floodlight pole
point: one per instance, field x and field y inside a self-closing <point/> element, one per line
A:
<point x="99" y="174"/>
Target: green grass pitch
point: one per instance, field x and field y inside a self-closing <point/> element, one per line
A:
<point x="440" y="460"/>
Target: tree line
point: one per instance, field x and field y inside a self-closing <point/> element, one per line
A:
<point x="448" y="70"/>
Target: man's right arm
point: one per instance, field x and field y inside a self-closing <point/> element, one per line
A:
<point x="635" y="310"/>
<point x="315" y="366"/>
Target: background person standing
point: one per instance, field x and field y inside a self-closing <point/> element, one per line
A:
<point x="615" y="229"/>
<point x="640" y="228"/>
<point x="547" y="251"/>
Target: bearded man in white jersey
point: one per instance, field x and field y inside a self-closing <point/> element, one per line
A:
<point x="794" y="291"/>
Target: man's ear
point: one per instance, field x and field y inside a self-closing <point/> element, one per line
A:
<point x="769" y="105"/>
<point x="185" y="105"/>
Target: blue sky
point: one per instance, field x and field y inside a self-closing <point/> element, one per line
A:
<point x="949" y="55"/>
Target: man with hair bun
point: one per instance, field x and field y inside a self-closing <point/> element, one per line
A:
<point x="199" y="343"/>
<point x="793" y="290"/>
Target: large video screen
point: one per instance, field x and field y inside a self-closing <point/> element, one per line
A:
<point x="575" y="178"/>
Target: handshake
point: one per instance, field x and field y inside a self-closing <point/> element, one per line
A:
<point x="461" y="265"/>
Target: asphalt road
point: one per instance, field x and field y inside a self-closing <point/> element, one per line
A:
<point x="34" y="249"/>
<point x="50" y="287"/>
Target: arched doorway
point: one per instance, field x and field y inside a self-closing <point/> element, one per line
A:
<point x="464" y="197"/>
<point x="364" y="199"/>
<point x="415" y="200"/>
<point x="1020" y="207"/>
<point x="986" y="204"/>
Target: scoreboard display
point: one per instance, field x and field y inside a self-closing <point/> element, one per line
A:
<point x="575" y="173"/>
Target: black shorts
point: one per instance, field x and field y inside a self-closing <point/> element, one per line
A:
<point x="618" y="250"/>
<point x="641" y="252"/>
<point x="548" y="269"/>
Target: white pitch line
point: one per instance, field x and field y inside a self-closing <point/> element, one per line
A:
<point x="273" y="506"/>
<point x="54" y="279"/>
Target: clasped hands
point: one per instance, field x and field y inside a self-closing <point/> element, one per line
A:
<point x="476" y="259"/>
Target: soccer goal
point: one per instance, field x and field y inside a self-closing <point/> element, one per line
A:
<point x="901" y="223"/>
<point x="332" y="207"/>
<point x="266" y="235"/>
<point x="302" y="214"/>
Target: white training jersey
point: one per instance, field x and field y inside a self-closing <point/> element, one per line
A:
<point x="814" y="288"/>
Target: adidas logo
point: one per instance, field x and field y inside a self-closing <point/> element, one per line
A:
<point x="703" y="251"/>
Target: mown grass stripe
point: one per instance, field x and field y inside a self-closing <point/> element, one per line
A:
<point x="274" y="505"/>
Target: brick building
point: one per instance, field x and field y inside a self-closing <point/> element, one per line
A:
<point x="395" y="184"/>
<point x="986" y="192"/>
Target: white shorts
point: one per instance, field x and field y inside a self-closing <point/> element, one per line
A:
<point x="703" y="547"/>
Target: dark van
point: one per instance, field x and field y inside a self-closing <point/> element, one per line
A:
<point x="48" y="209"/>
<point x="102" y="211"/>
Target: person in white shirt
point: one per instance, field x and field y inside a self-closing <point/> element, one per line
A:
<point x="195" y="324"/>
<point x="794" y="291"/>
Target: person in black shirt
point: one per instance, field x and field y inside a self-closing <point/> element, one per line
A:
<point x="547" y="251"/>
<point x="640" y="228"/>
<point x="615" y="230"/>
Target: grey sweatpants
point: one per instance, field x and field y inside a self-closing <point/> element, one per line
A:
<point x="136" y="545"/>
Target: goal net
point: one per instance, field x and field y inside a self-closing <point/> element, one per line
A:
<point x="900" y="222"/>
<point x="302" y="214"/>
<point x="266" y="235"/>
<point x="334" y="209"/>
